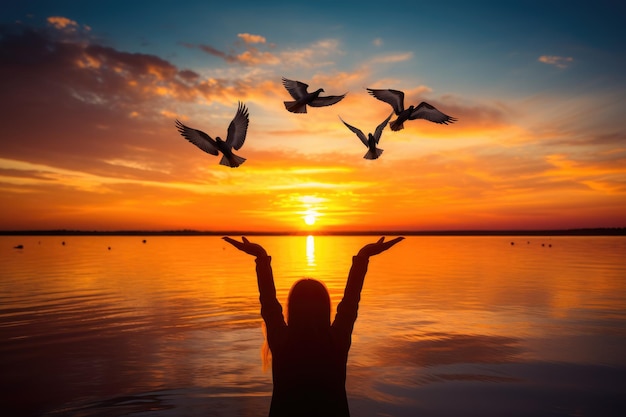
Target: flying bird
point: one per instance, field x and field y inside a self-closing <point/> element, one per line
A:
<point x="423" y="110"/>
<point x="298" y="91"/>
<point x="235" y="138"/>
<point x="371" y="140"/>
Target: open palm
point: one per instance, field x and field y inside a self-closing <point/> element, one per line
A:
<point x="372" y="249"/>
<point x="246" y="246"/>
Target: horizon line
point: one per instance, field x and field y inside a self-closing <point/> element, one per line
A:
<point x="589" y="231"/>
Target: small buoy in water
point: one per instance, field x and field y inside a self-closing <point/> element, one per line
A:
<point x="109" y="248"/>
<point x="63" y="243"/>
<point x="512" y="243"/>
<point x="144" y="241"/>
<point x="18" y="247"/>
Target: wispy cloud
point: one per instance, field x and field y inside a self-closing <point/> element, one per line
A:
<point x="67" y="26"/>
<point x="392" y="58"/>
<point x="62" y="22"/>
<point x="316" y="54"/>
<point x="249" y="38"/>
<point x="557" y="61"/>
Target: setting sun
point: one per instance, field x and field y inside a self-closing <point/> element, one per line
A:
<point x="311" y="204"/>
<point x="309" y="219"/>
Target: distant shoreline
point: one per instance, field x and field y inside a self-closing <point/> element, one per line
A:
<point x="615" y="231"/>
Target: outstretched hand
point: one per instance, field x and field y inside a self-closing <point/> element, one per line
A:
<point x="246" y="246"/>
<point x="372" y="249"/>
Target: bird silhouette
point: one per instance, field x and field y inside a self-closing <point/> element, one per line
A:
<point x="371" y="140"/>
<point x="298" y="91"/>
<point x="235" y="138"/>
<point x="423" y="110"/>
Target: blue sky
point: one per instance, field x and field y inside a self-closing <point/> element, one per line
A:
<point x="538" y="88"/>
<point x="487" y="44"/>
<point x="465" y="47"/>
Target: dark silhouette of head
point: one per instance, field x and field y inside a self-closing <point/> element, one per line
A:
<point x="308" y="305"/>
<point x="308" y="316"/>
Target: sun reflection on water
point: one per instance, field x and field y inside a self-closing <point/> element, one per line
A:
<point x="310" y="250"/>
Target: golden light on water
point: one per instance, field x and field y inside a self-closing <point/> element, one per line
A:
<point x="310" y="250"/>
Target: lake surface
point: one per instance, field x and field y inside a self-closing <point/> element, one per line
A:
<point x="448" y="326"/>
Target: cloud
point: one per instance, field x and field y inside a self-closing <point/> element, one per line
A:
<point x="251" y="56"/>
<point x="317" y="54"/>
<point x="62" y="22"/>
<point x="77" y="104"/>
<point x="377" y="42"/>
<point x="254" y="56"/>
<point x="557" y="61"/>
<point x="89" y="72"/>
<point x="248" y="38"/>
<point x="392" y="58"/>
<point x="67" y="27"/>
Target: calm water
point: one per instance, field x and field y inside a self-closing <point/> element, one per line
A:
<point x="448" y="326"/>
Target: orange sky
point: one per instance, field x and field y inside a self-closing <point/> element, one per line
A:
<point x="89" y="142"/>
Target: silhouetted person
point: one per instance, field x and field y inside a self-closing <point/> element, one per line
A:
<point x="309" y="354"/>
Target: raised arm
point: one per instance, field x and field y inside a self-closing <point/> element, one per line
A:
<point x="271" y="309"/>
<point x="360" y="262"/>
<point x="347" y="308"/>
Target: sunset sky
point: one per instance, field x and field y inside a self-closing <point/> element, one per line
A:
<point x="90" y="92"/>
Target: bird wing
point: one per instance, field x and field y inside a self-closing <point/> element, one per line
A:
<point x="393" y="97"/>
<point x="430" y="113"/>
<point x="295" y="88"/>
<point x="356" y="130"/>
<point x="379" y="129"/>
<point x="326" y="101"/>
<point x="198" y="138"/>
<point x="238" y="128"/>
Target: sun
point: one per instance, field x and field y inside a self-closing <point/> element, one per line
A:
<point x="310" y="209"/>
<point x="310" y="219"/>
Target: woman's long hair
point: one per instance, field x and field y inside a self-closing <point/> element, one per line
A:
<point x="307" y="313"/>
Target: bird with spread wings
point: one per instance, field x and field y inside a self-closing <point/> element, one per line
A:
<point x="235" y="138"/>
<point x="423" y="110"/>
<point x="371" y="140"/>
<point x="302" y="98"/>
